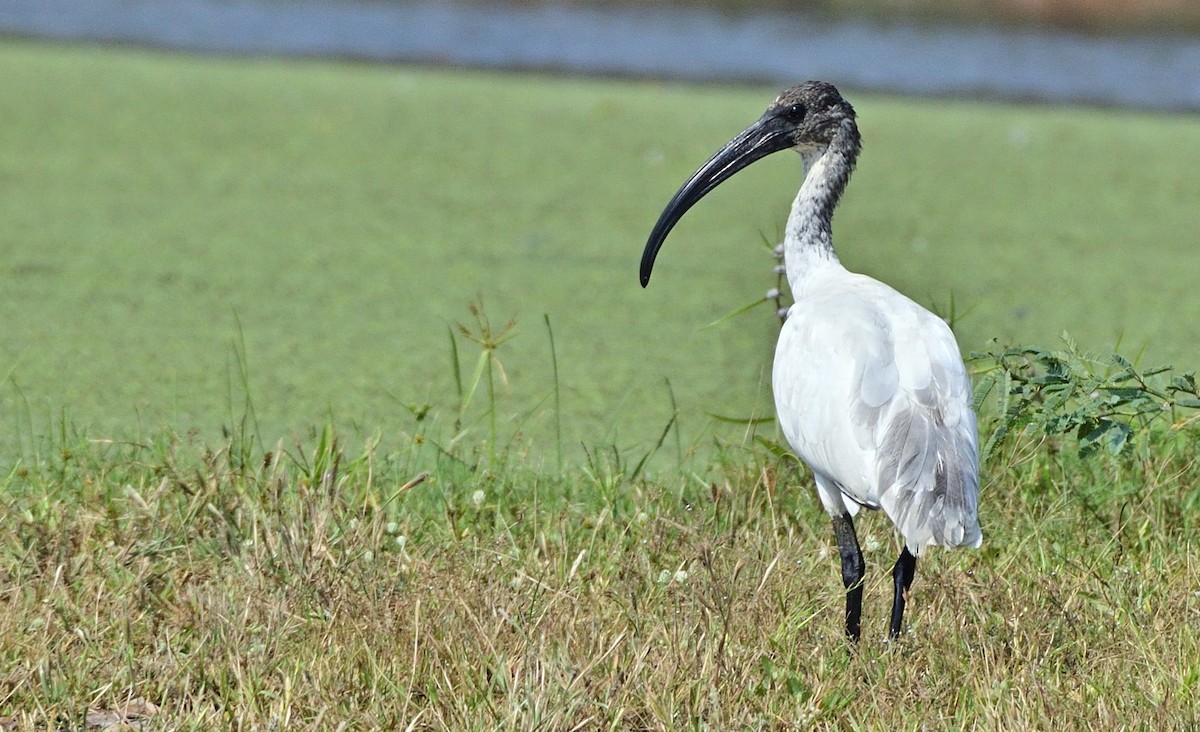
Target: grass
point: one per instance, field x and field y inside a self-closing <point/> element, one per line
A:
<point x="212" y="263"/>
<point x="159" y="211"/>
<point x="313" y="589"/>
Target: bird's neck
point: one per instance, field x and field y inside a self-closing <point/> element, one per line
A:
<point x="808" y="242"/>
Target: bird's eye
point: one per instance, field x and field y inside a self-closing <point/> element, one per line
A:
<point x="794" y="112"/>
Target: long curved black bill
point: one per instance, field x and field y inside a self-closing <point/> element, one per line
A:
<point x="769" y="134"/>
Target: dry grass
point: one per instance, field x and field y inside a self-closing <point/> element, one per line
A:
<point x="311" y="591"/>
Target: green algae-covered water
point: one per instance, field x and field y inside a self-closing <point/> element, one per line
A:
<point x="181" y="232"/>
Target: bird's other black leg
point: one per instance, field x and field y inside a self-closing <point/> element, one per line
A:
<point x="902" y="573"/>
<point x="853" y="569"/>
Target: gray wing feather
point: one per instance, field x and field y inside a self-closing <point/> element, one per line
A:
<point x="929" y="477"/>
<point x="926" y="446"/>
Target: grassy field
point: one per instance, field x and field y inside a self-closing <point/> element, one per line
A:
<point x="248" y="485"/>
<point x="186" y="588"/>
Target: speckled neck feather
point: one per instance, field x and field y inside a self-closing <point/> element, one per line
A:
<point x="808" y="242"/>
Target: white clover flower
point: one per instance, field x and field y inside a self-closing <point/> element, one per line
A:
<point x="477" y="498"/>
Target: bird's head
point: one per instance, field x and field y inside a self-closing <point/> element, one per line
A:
<point x="805" y="118"/>
<point x="810" y="114"/>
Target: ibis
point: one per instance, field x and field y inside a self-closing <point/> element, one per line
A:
<point x="870" y="388"/>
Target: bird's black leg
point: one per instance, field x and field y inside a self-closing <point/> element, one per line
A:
<point x="853" y="569"/>
<point x="902" y="573"/>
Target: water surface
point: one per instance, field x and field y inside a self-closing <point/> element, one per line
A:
<point x="1156" y="72"/>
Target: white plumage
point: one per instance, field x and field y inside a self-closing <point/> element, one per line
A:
<point x="872" y="395"/>
<point x="870" y="388"/>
